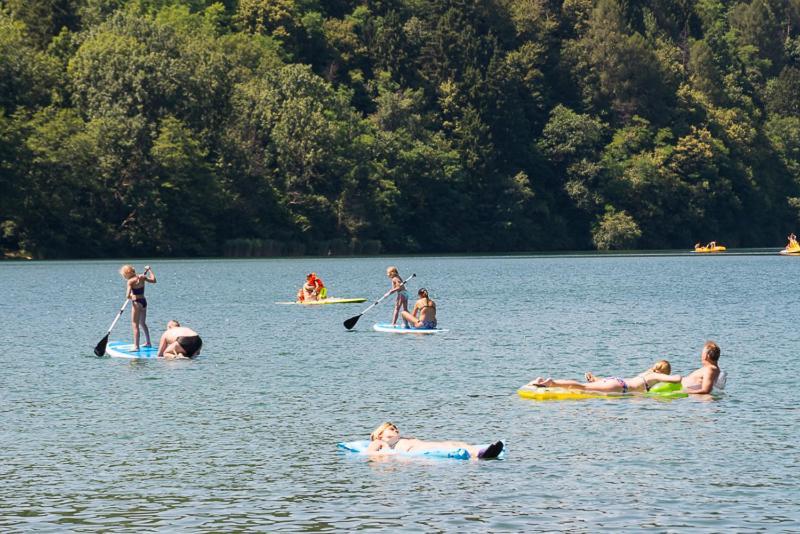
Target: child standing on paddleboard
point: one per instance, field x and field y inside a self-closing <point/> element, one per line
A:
<point x="402" y="295"/>
<point x="135" y="292"/>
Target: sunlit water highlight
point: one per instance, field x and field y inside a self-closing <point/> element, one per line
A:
<point x="245" y="437"/>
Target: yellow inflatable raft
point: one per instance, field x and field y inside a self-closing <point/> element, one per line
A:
<point x="708" y="248"/>
<point x="662" y="390"/>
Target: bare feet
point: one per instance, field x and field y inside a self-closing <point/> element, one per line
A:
<point x="541" y="382"/>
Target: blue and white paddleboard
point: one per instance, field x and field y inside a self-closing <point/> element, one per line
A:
<point x="119" y="349"/>
<point x="400" y="329"/>
<point x="360" y="447"/>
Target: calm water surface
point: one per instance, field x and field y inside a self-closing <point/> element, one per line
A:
<point x="245" y="437"/>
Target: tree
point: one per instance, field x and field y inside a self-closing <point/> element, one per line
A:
<point x="615" y="231"/>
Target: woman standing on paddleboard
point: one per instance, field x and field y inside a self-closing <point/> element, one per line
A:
<point x="399" y="287"/>
<point x="135" y="292"/>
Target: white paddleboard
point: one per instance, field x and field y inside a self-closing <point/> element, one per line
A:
<point x="119" y="349"/>
<point x="400" y="329"/>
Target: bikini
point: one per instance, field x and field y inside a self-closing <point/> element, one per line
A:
<point x="621" y="383"/>
<point x="427" y="325"/>
<point x="139" y="292"/>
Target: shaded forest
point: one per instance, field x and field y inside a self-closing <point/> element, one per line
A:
<point x="193" y="128"/>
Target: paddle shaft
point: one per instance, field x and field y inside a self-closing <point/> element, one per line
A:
<point x="119" y="314"/>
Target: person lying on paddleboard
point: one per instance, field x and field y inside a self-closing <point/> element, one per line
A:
<point x="135" y="291"/>
<point x="641" y="383"/>
<point x="313" y="289"/>
<point x="179" y="342"/>
<point x="386" y="438"/>
<point x="424" y="314"/>
<point x="401" y="303"/>
<point x="702" y="381"/>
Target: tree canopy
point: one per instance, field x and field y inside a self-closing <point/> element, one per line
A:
<point x="197" y="128"/>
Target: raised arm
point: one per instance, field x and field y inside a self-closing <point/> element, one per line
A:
<point x="152" y="277"/>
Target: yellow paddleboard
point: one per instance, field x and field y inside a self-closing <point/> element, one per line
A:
<point x="329" y="300"/>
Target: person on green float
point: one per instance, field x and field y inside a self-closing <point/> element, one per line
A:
<point x="641" y="383"/>
<point x="703" y="380"/>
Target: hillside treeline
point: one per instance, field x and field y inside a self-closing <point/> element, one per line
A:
<point x="185" y="128"/>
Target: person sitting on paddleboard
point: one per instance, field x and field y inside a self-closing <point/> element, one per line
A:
<point x="135" y="292"/>
<point x="313" y="289"/>
<point x="792" y="241"/>
<point x="424" y="314"/>
<point x="179" y="342"/>
<point x="402" y="295"/>
<point x="641" y="383"/>
<point x="319" y="287"/>
<point x="386" y="438"/>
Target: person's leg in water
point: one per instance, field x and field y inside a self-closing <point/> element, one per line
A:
<point x="143" y="325"/>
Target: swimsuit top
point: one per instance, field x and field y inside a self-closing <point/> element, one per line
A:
<point x="137" y="290"/>
<point x="430" y="304"/>
<point x="646" y="385"/>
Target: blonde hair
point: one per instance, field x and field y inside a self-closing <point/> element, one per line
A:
<point x="662" y="366"/>
<point x="713" y="351"/>
<point x="376" y="434"/>
<point x="392" y="270"/>
<point x="127" y="271"/>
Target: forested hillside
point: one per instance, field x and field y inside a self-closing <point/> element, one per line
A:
<point x="185" y="128"/>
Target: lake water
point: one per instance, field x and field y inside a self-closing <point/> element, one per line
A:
<point x="244" y="438"/>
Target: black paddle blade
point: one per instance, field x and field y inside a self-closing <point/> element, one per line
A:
<point x="351" y="322"/>
<point x="100" y="349"/>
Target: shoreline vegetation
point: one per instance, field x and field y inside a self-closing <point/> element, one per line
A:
<point x="258" y="128"/>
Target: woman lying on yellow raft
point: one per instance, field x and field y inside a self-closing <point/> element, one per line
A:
<point x="641" y="383"/>
<point x="711" y="247"/>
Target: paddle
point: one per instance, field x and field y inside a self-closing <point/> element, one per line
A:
<point x="100" y="349"/>
<point x="351" y="322"/>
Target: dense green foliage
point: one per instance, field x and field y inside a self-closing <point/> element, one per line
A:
<point x="167" y="127"/>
